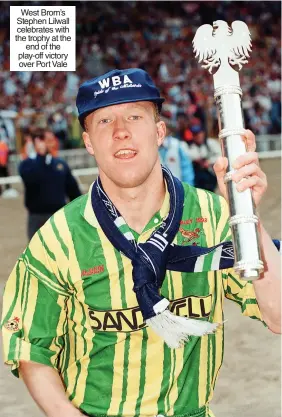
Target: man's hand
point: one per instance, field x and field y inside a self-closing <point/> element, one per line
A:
<point x="246" y="166"/>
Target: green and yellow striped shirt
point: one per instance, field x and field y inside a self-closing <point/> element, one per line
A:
<point x="69" y="304"/>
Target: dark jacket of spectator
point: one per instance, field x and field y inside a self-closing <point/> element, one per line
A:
<point x="48" y="182"/>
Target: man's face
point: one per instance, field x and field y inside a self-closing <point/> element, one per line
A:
<point x="50" y="140"/>
<point x="199" y="137"/>
<point x="124" y="138"/>
<point x="40" y="145"/>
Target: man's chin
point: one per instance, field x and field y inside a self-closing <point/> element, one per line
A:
<point x="129" y="182"/>
<point x="126" y="178"/>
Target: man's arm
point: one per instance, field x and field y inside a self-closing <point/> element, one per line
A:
<point x="47" y="390"/>
<point x="268" y="287"/>
<point x="35" y="322"/>
<point x="30" y="169"/>
<point x="72" y="188"/>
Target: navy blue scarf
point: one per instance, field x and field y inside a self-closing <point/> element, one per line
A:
<point x="151" y="259"/>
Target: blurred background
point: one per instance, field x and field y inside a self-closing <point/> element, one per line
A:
<point x="156" y="36"/>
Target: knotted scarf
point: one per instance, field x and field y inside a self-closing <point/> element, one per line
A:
<point x="151" y="259"/>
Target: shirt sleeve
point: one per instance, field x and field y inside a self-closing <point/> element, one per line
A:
<point x="34" y="318"/>
<point x="242" y="292"/>
<point x="236" y="289"/>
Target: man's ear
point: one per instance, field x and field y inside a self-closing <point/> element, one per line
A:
<point x="87" y="143"/>
<point x="161" y="131"/>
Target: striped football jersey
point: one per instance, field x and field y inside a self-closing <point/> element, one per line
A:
<point x="69" y="304"/>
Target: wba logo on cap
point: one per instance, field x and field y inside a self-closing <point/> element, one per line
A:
<point x="116" y="80"/>
<point x="114" y="84"/>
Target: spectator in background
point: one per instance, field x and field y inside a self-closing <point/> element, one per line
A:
<point x="47" y="180"/>
<point x="203" y="153"/>
<point x="28" y="150"/>
<point x="59" y="125"/>
<point x="275" y="113"/>
<point x="174" y="155"/>
<point x="158" y="38"/>
<point x="183" y="130"/>
<point x="4" y="157"/>
<point x="259" y="120"/>
<point x="52" y="142"/>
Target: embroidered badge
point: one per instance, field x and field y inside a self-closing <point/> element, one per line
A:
<point x="60" y="167"/>
<point x="190" y="235"/>
<point x="13" y="324"/>
<point x="228" y="253"/>
<point x="197" y="220"/>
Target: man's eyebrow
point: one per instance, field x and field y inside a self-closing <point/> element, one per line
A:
<point x="143" y="105"/>
<point x="139" y="107"/>
<point x="106" y="111"/>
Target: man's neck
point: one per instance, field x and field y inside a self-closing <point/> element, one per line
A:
<point x="138" y="205"/>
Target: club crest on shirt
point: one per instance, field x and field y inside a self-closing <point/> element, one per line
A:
<point x="190" y="236"/>
<point x="12" y="325"/>
<point x="60" y="167"/>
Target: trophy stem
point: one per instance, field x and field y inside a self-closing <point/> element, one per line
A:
<point x="243" y="220"/>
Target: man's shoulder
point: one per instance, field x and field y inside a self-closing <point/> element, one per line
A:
<point x="70" y="215"/>
<point x="54" y="240"/>
<point x="60" y="161"/>
<point x="194" y="195"/>
<point x="72" y="210"/>
<point x="27" y="164"/>
<point x="27" y="161"/>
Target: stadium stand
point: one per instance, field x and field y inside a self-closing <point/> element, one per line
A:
<point x="154" y="36"/>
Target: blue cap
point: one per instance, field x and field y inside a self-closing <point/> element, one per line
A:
<point x="196" y="129"/>
<point x="115" y="87"/>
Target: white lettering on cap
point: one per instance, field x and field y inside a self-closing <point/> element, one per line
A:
<point x="127" y="80"/>
<point x="105" y="83"/>
<point x="116" y="80"/>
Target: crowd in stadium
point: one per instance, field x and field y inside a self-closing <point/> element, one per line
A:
<point x="155" y="36"/>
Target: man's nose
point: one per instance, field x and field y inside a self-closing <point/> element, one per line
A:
<point x="120" y="130"/>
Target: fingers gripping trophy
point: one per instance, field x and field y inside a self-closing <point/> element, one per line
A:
<point x="220" y="47"/>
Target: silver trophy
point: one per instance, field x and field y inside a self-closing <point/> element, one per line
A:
<point x="221" y="47"/>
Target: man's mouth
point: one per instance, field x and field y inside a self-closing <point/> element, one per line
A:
<point x="125" y="154"/>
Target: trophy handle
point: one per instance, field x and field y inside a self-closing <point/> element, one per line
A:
<point x="219" y="47"/>
<point x="243" y="219"/>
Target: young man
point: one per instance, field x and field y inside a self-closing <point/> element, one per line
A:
<point x="48" y="182"/>
<point x="85" y="306"/>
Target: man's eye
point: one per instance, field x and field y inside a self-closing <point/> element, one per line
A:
<point x="135" y="117"/>
<point x="104" y="121"/>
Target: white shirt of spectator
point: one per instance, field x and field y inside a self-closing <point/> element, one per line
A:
<point x="210" y="152"/>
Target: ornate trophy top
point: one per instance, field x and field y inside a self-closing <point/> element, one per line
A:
<point x="220" y="46"/>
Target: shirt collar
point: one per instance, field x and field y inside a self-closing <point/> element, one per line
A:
<point x="87" y="211"/>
